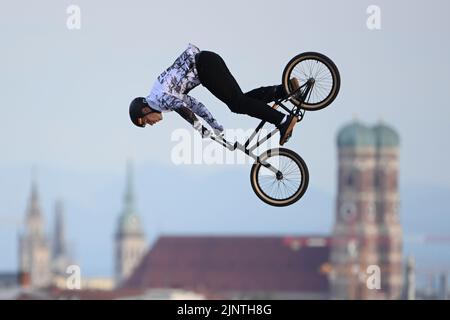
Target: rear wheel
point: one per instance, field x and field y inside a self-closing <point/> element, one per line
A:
<point x="282" y="188"/>
<point x="318" y="70"/>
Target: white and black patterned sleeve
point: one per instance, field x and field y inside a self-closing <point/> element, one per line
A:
<point x="183" y="100"/>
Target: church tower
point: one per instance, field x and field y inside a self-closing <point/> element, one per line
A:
<point x="34" y="249"/>
<point x="387" y="211"/>
<point x="367" y="233"/>
<point x="60" y="256"/>
<point x="354" y="245"/>
<point x="130" y="242"/>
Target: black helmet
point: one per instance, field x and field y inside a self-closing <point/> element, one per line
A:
<point x="136" y="112"/>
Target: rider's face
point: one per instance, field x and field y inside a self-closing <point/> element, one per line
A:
<point x="150" y="117"/>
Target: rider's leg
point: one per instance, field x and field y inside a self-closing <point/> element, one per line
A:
<point x="215" y="76"/>
<point x="267" y="94"/>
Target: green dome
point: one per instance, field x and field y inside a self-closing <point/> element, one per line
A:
<point x="129" y="223"/>
<point x="385" y="136"/>
<point x="355" y="135"/>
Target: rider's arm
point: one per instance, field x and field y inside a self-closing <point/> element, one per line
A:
<point x="190" y="117"/>
<point x="177" y="101"/>
<point x="199" y="109"/>
<point x="187" y="115"/>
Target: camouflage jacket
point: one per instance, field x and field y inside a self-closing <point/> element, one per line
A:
<point x="170" y="91"/>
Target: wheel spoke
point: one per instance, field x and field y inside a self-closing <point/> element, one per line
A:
<point x="288" y="185"/>
<point x="321" y="73"/>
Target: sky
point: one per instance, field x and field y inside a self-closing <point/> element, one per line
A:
<point x="65" y="96"/>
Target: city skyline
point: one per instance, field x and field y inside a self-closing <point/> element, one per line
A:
<point x="154" y="227"/>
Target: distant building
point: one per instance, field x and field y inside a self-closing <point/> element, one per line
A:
<point x="118" y="294"/>
<point x="409" y="291"/>
<point x="34" y="246"/>
<point x="130" y="242"/>
<point x="367" y="231"/>
<point x="237" y="267"/>
<point x="41" y="261"/>
<point x="60" y="256"/>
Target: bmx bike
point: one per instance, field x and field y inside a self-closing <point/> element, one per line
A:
<point x="279" y="176"/>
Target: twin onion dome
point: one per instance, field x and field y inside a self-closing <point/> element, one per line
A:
<point x="357" y="134"/>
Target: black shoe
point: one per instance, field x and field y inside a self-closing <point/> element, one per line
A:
<point x="286" y="129"/>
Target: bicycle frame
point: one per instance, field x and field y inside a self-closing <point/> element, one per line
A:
<point x="247" y="149"/>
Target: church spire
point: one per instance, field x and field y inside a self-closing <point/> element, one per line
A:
<point x="130" y="240"/>
<point x="59" y="231"/>
<point x="129" y="222"/>
<point x="34" y="218"/>
<point x="34" y="251"/>
<point x="33" y="205"/>
<point x="129" y="191"/>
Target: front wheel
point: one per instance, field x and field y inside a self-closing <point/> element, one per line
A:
<point x="317" y="69"/>
<point x="284" y="187"/>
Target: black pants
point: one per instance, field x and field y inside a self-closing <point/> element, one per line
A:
<point x="215" y="76"/>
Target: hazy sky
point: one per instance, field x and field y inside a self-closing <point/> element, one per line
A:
<point x="65" y="95"/>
